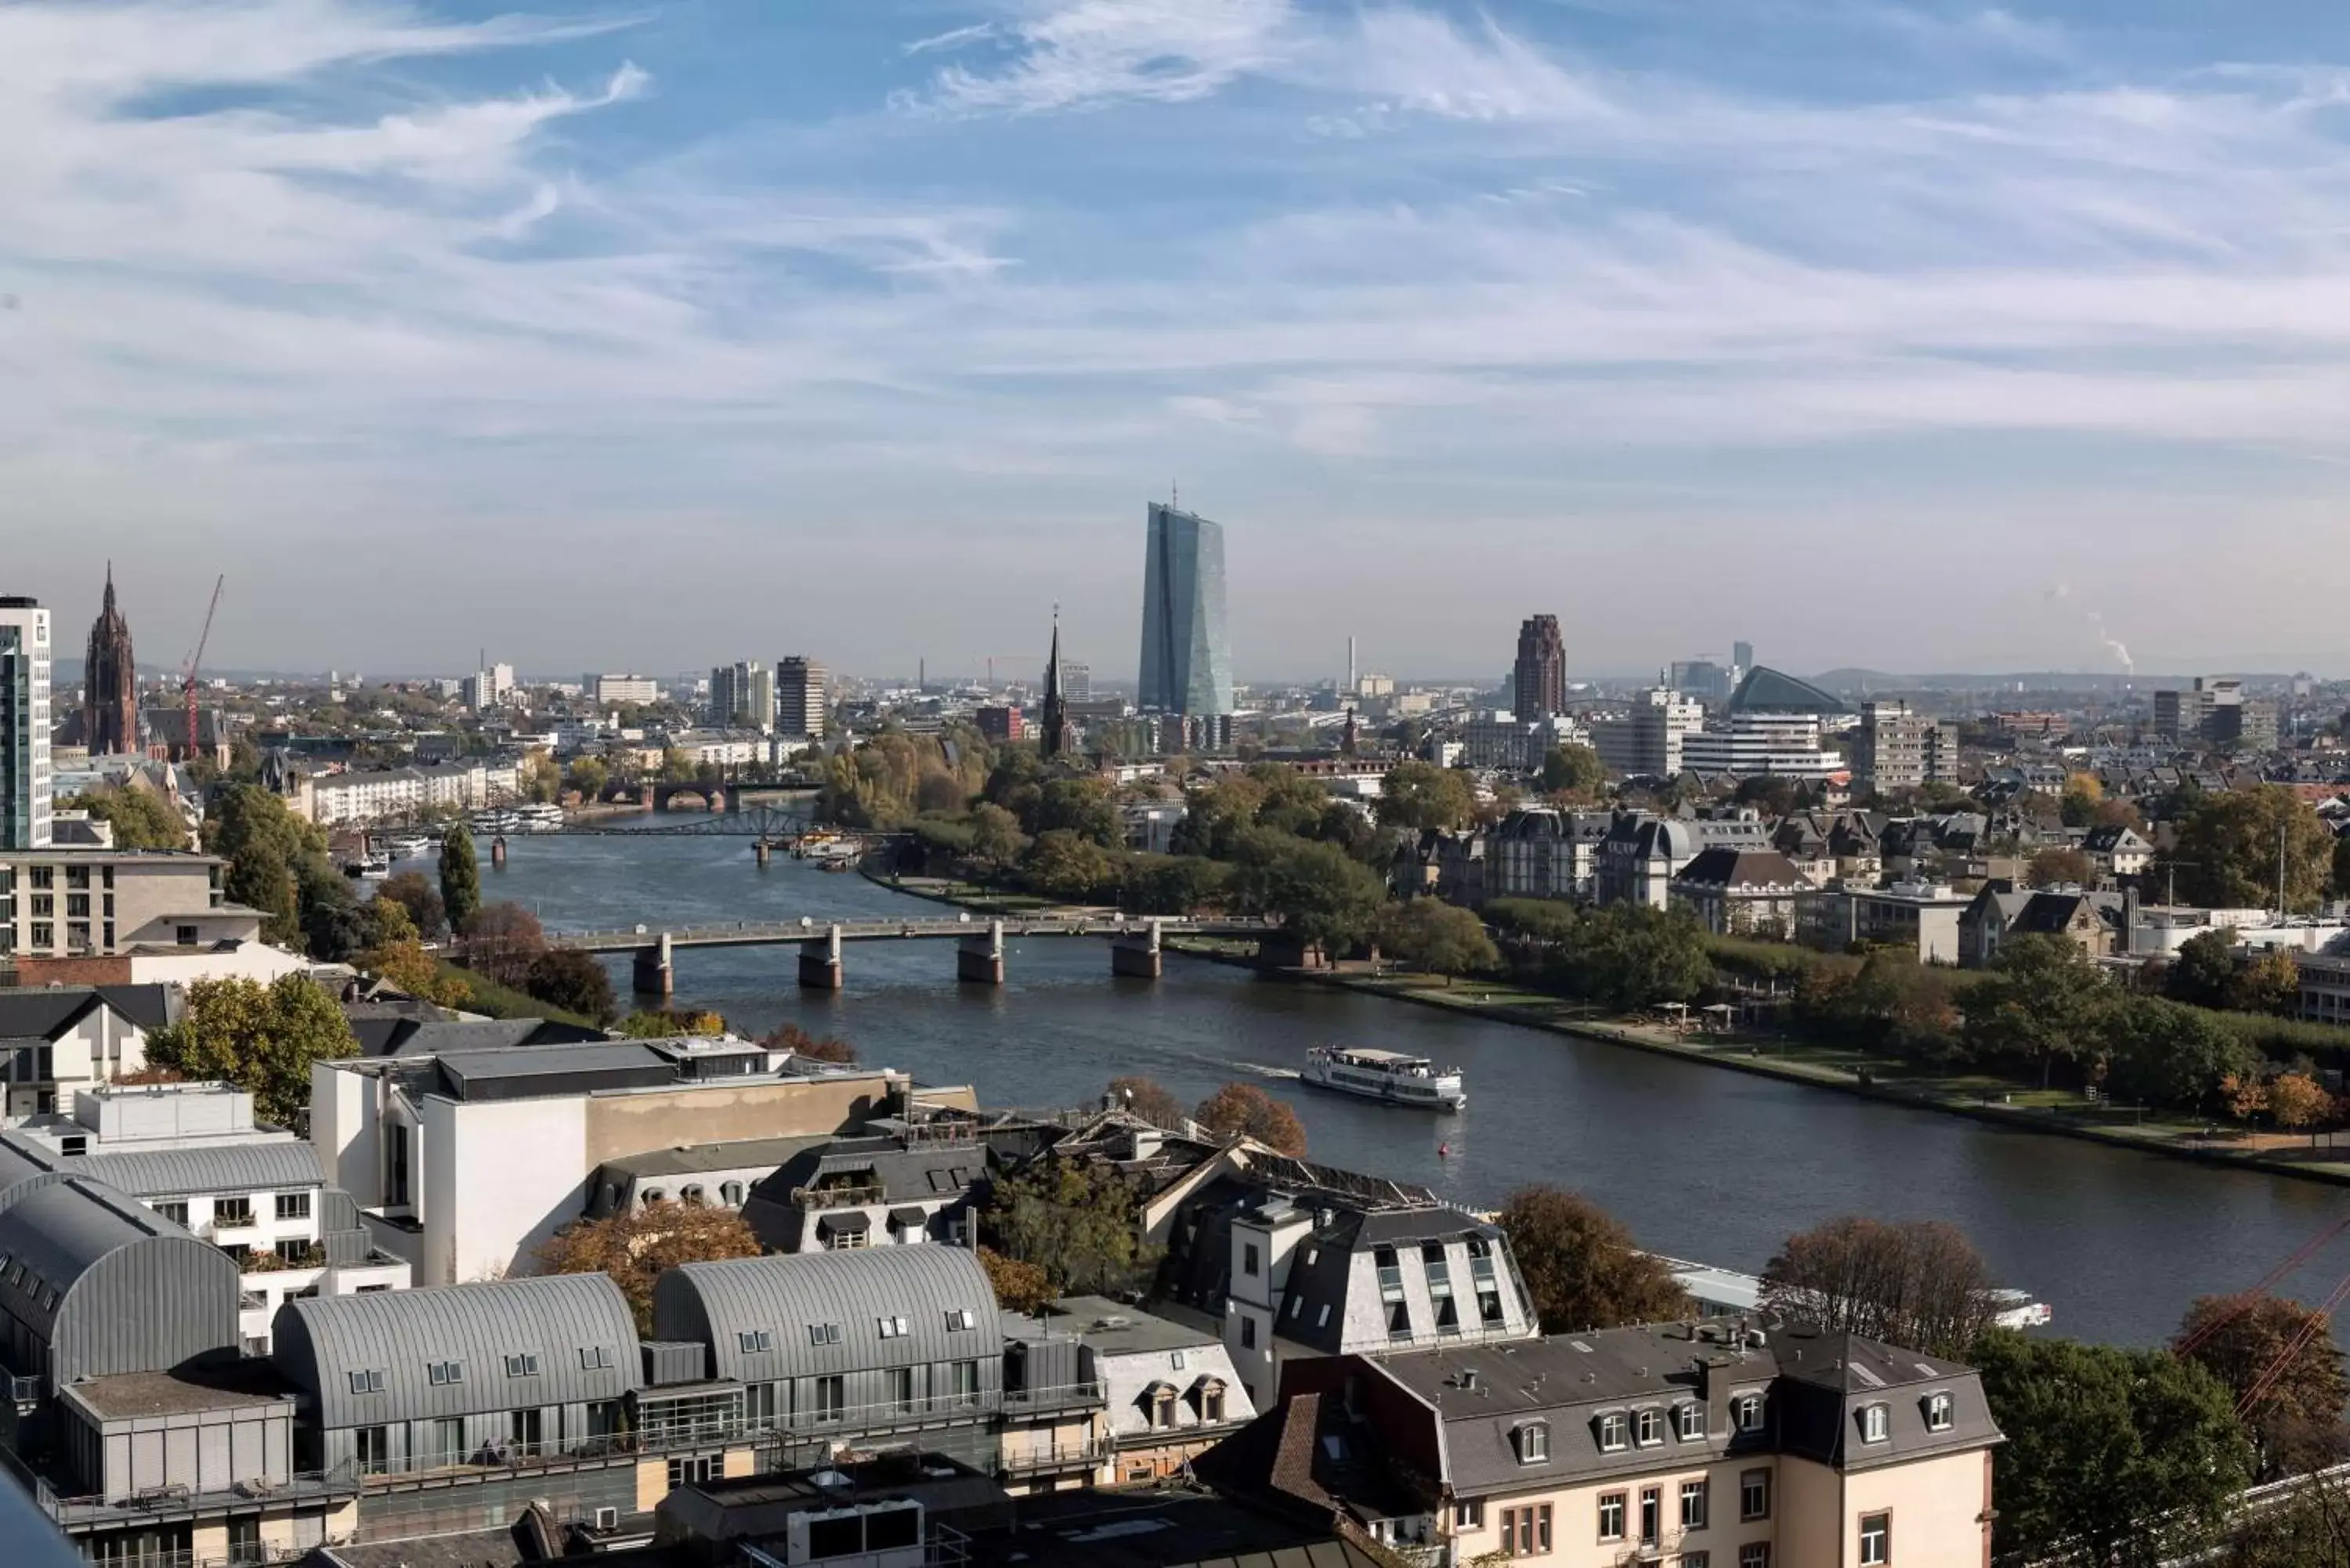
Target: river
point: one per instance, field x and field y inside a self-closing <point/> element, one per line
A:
<point x="1700" y="1162"/>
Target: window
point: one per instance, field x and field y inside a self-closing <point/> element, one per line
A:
<point x="1695" y="1497"/>
<point x="373" y="1446"/>
<point x="1611" y="1516"/>
<point x="1755" y="1555"/>
<point x="960" y="1318"/>
<point x="1470" y="1515"/>
<point x="231" y="1210"/>
<point x="1690" y="1422"/>
<point x="1875" y="1540"/>
<point x="1647" y="1428"/>
<point x="1612" y="1429"/>
<point x="1175" y="1359"/>
<point x="966" y="1379"/>
<point x="755" y="1340"/>
<point x="593" y="1358"/>
<point x="173" y="1210"/>
<point x="1748" y="1408"/>
<point x="523" y="1363"/>
<point x="1162" y="1407"/>
<point x="889" y="1328"/>
<point x="526" y="1428"/>
<point x="1296" y="1305"/>
<point x="1652" y="1514"/>
<point x="901" y="1380"/>
<point x="292" y="1205"/>
<point x="441" y="1373"/>
<point x="1211" y="1402"/>
<point x="1534" y="1442"/>
<point x="1249" y="1264"/>
<point x="1526" y="1531"/>
<point x="695" y="1470"/>
<point x="691" y="1196"/>
<point x="367" y="1382"/>
<point x="1248" y="1334"/>
<point x="824" y="1333"/>
<point x="831" y="1397"/>
<point x="444" y="1441"/>
<point x="1696" y="1560"/>
<point x="1939" y="1411"/>
<point x="1755" y="1495"/>
<point x="1875" y="1423"/>
<point x="654" y="1195"/>
<point x="729" y="1193"/>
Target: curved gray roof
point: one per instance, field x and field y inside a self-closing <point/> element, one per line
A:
<point x="247" y="1165"/>
<point x="785" y="1293"/>
<point x="108" y="1285"/>
<point x="319" y="1342"/>
<point x="1768" y="691"/>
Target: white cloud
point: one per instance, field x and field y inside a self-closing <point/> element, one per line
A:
<point x="1081" y="53"/>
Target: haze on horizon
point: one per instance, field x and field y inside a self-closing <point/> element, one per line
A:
<point x="1917" y="336"/>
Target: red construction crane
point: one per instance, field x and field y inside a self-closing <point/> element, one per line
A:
<point x="188" y="674"/>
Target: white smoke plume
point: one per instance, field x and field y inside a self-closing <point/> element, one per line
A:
<point x="2114" y="645"/>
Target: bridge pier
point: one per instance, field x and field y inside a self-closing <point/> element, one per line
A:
<point x="979" y="957"/>
<point x="654" y="973"/>
<point x="498" y="853"/>
<point x="763" y="849"/>
<point x="1138" y="955"/>
<point x="820" y="961"/>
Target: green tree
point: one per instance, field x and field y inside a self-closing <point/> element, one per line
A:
<point x="461" y="878"/>
<point x="1436" y="938"/>
<point x="677" y="766"/>
<point x="1082" y="806"/>
<point x="412" y="891"/>
<point x="2228" y="846"/>
<point x="574" y="981"/>
<point x="272" y="857"/>
<point x="1580" y="1266"/>
<point x="1539" y="923"/>
<point x="2203" y="970"/>
<point x="1062" y="864"/>
<point x="261" y="1038"/>
<point x="1629" y="956"/>
<point x="1319" y="891"/>
<point x="1078" y="1223"/>
<point x="2247" y="1341"/>
<point x="589" y="775"/>
<point x="142" y="819"/>
<point x="1244" y="1109"/>
<point x="540" y="780"/>
<point x="1175" y="884"/>
<point x="1574" y="772"/>
<point x="2113" y="1458"/>
<point x="996" y="841"/>
<point x="2077" y="806"/>
<point x="2042" y="1001"/>
<point x="2166" y="1054"/>
<point x="1418" y="796"/>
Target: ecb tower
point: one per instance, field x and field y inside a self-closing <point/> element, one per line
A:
<point x="1187" y="655"/>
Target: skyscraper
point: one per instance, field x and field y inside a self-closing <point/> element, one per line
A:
<point x="1540" y="683"/>
<point x="24" y="724"/>
<point x="734" y="691"/>
<point x="802" y="704"/>
<point x="1187" y="655"/>
<point x="109" y="710"/>
<point x="1741" y="657"/>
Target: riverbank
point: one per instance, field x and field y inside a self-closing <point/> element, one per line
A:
<point x="1980" y="1096"/>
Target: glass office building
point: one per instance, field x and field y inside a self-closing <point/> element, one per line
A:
<point x="1187" y="655"/>
<point x="24" y="724"/>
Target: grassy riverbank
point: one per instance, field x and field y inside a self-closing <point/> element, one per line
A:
<point x="1985" y="1096"/>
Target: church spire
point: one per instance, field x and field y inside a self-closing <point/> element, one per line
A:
<point x="1054" y="740"/>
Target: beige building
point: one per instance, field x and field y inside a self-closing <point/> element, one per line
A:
<point x="59" y="902"/>
<point x="1675" y="1444"/>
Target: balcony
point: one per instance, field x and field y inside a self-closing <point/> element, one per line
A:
<point x="810" y="1198"/>
<point x="100" y="1512"/>
<point x="1091" y="1454"/>
<point x="1062" y="1396"/>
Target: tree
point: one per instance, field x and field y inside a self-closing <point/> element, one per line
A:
<point x="790" y="1036"/>
<point x="1019" y="1287"/>
<point x="1580" y="1266"/>
<point x="2059" y="867"/>
<point x="2077" y="806"/>
<point x="1149" y="1100"/>
<point x="677" y="765"/>
<point x="1417" y="795"/>
<point x="2166" y="1054"/>
<point x="1082" y="806"/>
<point x="2239" y="1340"/>
<point x="405" y="966"/>
<point x="1243" y="1108"/>
<point x="2310" y="1528"/>
<point x="1320" y="893"/>
<point x="637" y="1245"/>
<point x="1436" y="938"/>
<point x="996" y="841"/>
<point x="1175" y="884"/>
<point x="1062" y="864"/>
<point x="261" y="1038"/>
<point x="2296" y="1101"/>
<point x="412" y="891"/>
<point x="502" y="940"/>
<point x="2244" y="1094"/>
<point x="2203" y="969"/>
<point x="140" y="818"/>
<point x="2267" y="983"/>
<point x="574" y="981"/>
<point x="1077" y="1221"/>
<point x="2113" y="1458"/>
<point x="670" y="1024"/>
<point x="1627" y="956"/>
<point x="2042" y="1001"/>
<point x="461" y="878"/>
<point x="1918" y="1285"/>
<point x="589" y="775"/>
<point x="540" y="780"/>
<point x="1574" y="772"/>
<point x="274" y="859"/>
<point x="2227" y="851"/>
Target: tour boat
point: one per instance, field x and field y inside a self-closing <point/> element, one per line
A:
<point x="1389" y="1076"/>
<point x="368" y="867"/>
<point x="408" y="846"/>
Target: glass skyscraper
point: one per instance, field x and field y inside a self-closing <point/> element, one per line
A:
<point x="24" y="724"/>
<point x="1187" y="655"/>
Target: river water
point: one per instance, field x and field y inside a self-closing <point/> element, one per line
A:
<point x="1700" y="1162"/>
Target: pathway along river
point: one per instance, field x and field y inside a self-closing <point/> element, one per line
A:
<point x="1700" y="1161"/>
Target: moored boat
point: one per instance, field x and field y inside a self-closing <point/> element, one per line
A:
<point x="1390" y="1078"/>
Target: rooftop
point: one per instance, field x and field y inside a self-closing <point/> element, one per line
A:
<point x="1171" y="1529"/>
<point x="1111" y="1328"/>
<point x="131" y="1395"/>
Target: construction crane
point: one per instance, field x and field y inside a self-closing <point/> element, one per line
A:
<point x="188" y="674"/>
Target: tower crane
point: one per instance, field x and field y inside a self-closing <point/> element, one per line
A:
<point x="188" y="673"/>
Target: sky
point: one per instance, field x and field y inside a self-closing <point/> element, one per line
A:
<point x="1920" y="337"/>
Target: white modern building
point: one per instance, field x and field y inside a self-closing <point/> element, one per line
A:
<point x="24" y="793"/>
<point x="384" y="794"/>
<point x="1750" y="746"/>
<point x="1646" y="740"/>
<point x="612" y="691"/>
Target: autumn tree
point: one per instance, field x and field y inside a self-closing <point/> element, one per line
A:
<point x="635" y="1246"/>
<point x="2228" y="848"/>
<point x="1077" y="1222"/>
<point x="1019" y="1287"/>
<point x="1151" y="1100"/>
<point x="1575" y="773"/>
<point x="414" y="892"/>
<point x="2297" y="1101"/>
<point x="1418" y="796"/>
<point x="2059" y="867"/>
<point x="790" y="1036"/>
<point x="1436" y="938"/>
<point x="1580" y="1267"/>
<point x="1243" y="1109"/>
<point x="502" y="940"/>
<point x="1920" y="1283"/>
<point x="2267" y="983"/>
<point x="669" y="1023"/>
<point x="2250" y="1340"/>
<point x="261" y="1038"/>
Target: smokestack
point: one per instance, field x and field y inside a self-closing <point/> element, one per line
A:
<point x="1350" y="662"/>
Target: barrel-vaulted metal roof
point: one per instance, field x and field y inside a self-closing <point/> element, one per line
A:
<point x="786" y="1296"/>
<point x="245" y="1165"/>
<point x="577" y="1327"/>
<point x="103" y="1285"/>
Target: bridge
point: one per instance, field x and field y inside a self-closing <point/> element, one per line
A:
<point x="1134" y="942"/>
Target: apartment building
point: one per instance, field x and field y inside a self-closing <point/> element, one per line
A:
<point x="1896" y="749"/>
<point x="1537" y="852"/>
<point x="1642" y="854"/>
<point x="1155" y="1394"/>
<point x="897" y="1183"/>
<point x="1697" y="1445"/>
<point x="383" y="794"/>
<point x="61" y="903"/>
<point x="57" y="1040"/>
<point x="618" y="691"/>
<point x="1742" y="892"/>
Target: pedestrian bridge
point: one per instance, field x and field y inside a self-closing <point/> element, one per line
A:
<point x="1134" y="941"/>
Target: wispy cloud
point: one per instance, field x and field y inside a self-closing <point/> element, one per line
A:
<point x="1082" y="53"/>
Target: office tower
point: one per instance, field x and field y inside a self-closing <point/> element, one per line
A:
<point x="24" y="724"/>
<point x="1540" y="682"/>
<point x="1187" y="655"/>
<point x="803" y="707"/>
<point x="730" y="693"/>
<point x="1076" y="681"/>
<point x="1704" y="680"/>
<point x="1741" y="657"/>
<point x="109" y="710"/>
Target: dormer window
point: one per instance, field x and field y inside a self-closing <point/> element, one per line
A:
<point x="1748" y="1411"/>
<point x="1534" y="1442"/>
<point x="1690" y="1421"/>
<point x="1615" y="1429"/>
<point x="1649" y="1427"/>
<point x="1876" y="1423"/>
<point x="1941" y="1411"/>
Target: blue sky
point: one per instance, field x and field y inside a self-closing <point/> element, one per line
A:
<point x="1916" y="335"/>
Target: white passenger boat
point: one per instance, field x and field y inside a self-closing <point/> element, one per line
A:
<point x="1726" y="1293"/>
<point x="1389" y="1076"/>
<point x="368" y="867"/>
<point x="408" y="846"/>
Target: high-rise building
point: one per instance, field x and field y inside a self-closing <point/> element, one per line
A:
<point x="803" y="706"/>
<point x="1896" y="748"/>
<point x="1187" y="654"/>
<point x="1647" y="742"/>
<point x="1704" y="680"/>
<point x="1741" y="656"/>
<point x="742" y="696"/>
<point x="24" y="724"/>
<point x="2210" y="711"/>
<point x="610" y="691"/>
<point x="109" y="709"/>
<point x="1076" y="680"/>
<point x="1539" y="684"/>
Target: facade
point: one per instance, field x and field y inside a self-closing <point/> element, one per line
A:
<point x="1751" y="744"/>
<point x="1689" y="1444"/>
<point x="1742" y="892"/>
<point x="803" y="707"/>
<point x="61" y="903"/>
<point x="898" y="1184"/>
<point x="1512" y="742"/>
<point x="2118" y="849"/>
<point x="1156" y="1393"/>
<point x="614" y="690"/>
<point x="1076" y="680"/>
<point x="1538" y="852"/>
<point x="742" y="696"/>
<point x="1646" y="740"/>
<point x="1896" y="748"/>
<point x="1919" y="918"/>
<point x="2096" y="921"/>
<point x="383" y="794"/>
<point x="25" y="801"/>
<point x="1187" y="651"/>
<point x="110" y="708"/>
<point x="1538" y="681"/>
<point x="1001" y="721"/>
<point x="1642" y="854"/>
<point x="56" y="1041"/>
